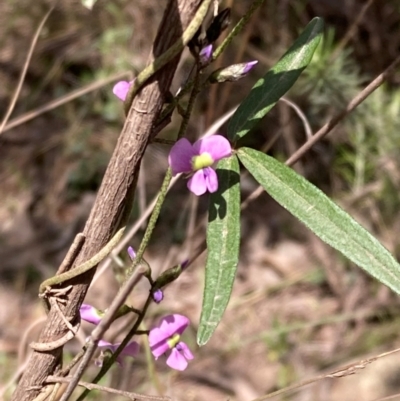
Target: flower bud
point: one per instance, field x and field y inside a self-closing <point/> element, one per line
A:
<point x="157" y="296"/>
<point x="232" y="73"/>
<point x="90" y="314"/>
<point x="168" y="276"/>
<point x="205" y="55"/>
<point x="131" y="253"/>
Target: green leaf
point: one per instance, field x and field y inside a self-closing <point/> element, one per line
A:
<point x="223" y="239"/>
<point x="322" y="216"/>
<point x="269" y="89"/>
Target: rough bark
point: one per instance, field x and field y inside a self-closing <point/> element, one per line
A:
<point x="115" y="195"/>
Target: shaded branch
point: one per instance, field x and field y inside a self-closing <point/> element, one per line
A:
<point x="116" y="193"/>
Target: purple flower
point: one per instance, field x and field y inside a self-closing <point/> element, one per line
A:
<point x="121" y="89"/>
<point x="157" y="296"/>
<point x="205" y="55"/>
<point x="90" y="314"/>
<point x="198" y="158"/>
<point x="248" y="66"/>
<point x="131" y="349"/>
<point x="167" y="337"/>
<point x="232" y="73"/>
<point x="131" y="253"/>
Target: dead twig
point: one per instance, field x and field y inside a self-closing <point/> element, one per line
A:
<point x="328" y="127"/>
<point x="341" y="372"/>
<point x="25" y="69"/>
<point x="92" y="386"/>
<point x="115" y="196"/>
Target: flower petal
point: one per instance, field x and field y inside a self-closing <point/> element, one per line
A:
<point x="176" y="360"/>
<point x="132" y="349"/>
<point x="105" y="344"/>
<point x="211" y="179"/>
<point x="169" y="326"/>
<point x="131" y="253"/>
<point x="158" y="342"/>
<point x="121" y="89"/>
<point x="173" y="324"/>
<point x="90" y="314"/>
<point x="216" y="145"/>
<point x="249" y="65"/>
<point x="205" y="55"/>
<point x="197" y="183"/>
<point x="180" y="157"/>
<point x="184" y="350"/>
<point x="157" y="296"/>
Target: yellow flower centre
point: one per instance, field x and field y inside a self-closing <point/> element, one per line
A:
<point x="202" y="161"/>
<point x="173" y="340"/>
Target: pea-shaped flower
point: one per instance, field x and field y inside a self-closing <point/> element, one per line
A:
<point x="198" y="159"/>
<point x="121" y="89"/>
<point x="90" y="314"/>
<point x="166" y="338"/>
<point x="131" y="349"/>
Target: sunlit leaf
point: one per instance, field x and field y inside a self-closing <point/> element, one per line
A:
<point x="269" y="89"/>
<point x="322" y="216"/>
<point x="223" y="237"/>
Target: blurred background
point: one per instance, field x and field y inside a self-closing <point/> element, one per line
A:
<point x="299" y="309"/>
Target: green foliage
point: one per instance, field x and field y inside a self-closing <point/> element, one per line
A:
<point x="223" y="238"/>
<point x="322" y="216"/>
<point x="366" y="159"/>
<point x="375" y="146"/>
<point x="330" y="80"/>
<point x="269" y="89"/>
<point x="223" y="232"/>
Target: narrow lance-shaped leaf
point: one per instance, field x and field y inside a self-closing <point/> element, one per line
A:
<point x="322" y="216"/>
<point x="269" y="89"/>
<point x="223" y="238"/>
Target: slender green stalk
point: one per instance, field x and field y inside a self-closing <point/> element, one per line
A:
<point x="168" y="55"/>
<point x="152" y="222"/>
<point x="109" y="362"/>
<point x="195" y="87"/>
<point x="145" y="241"/>
<point x="190" y="106"/>
<point x="237" y="28"/>
<point x="234" y="32"/>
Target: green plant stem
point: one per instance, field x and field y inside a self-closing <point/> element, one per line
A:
<point x="195" y="91"/>
<point x="234" y="32"/>
<point x="152" y="222"/>
<point x="145" y="241"/>
<point x="184" y="91"/>
<point x="168" y="55"/>
<point x="146" y="238"/>
<point x="237" y="28"/>
<point x="109" y="362"/>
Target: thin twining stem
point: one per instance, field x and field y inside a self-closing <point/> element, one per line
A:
<point x="92" y="386"/>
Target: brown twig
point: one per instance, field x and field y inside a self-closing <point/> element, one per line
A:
<point x="91" y="386"/>
<point x="30" y="115"/>
<point x="72" y="253"/>
<point x="341" y="372"/>
<point x="115" y="196"/>
<point x="25" y="68"/>
<point x="351" y="31"/>
<point x="99" y="331"/>
<point x="328" y="127"/>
